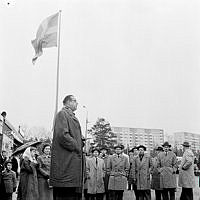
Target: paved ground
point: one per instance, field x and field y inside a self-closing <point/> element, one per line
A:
<point x="129" y="195"/>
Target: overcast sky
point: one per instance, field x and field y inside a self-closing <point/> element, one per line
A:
<point x="134" y="62"/>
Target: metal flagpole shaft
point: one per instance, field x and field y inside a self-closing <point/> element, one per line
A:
<point x="57" y="71"/>
<point x="58" y="65"/>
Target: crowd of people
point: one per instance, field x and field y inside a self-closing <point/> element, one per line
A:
<point x="33" y="175"/>
<point x="64" y="172"/>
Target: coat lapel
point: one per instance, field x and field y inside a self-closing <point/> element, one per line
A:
<point x="93" y="161"/>
<point x="118" y="159"/>
<point x="72" y="115"/>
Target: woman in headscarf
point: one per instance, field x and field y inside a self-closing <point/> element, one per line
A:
<point x="44" y="161"/>
<point x="28" y="183"/>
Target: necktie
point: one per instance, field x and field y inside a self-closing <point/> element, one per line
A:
<point x="96" y="162"/>
<point x="165" y="153"/>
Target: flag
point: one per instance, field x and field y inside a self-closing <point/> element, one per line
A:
<point x="46" y="35"/>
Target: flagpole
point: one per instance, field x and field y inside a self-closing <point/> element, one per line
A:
<point x="58" y="65"/>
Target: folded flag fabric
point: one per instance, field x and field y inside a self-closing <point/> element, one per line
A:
<point x="46" y="35"/>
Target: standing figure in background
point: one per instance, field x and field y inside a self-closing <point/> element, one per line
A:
<point x="131" y="180"/>
<point x="198" y="165"/>
<point x="186" y="173"/>
<point x="104" y="156"/>
<point x="44" y="161"/>
<point x="117" y="167"/>
<point x="141" y="171"/>
<point x="14" y="164"/>
<point x="130" y="177"/>
<point x="10" y="181"/>
<point x="155" y="181"/>
<point x="167" y="165"/>
<point x="67" y="153"/>
<point x="28" y="182"/>
<point x="95" y="171"/>
<point x="3" y="159"/>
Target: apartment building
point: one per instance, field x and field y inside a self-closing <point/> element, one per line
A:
<point x="135" y="136"/>
<point x="192" y="138"/>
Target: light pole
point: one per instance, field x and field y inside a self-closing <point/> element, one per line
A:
<point x="84" y="158"/>
<point x="86" y="128"/>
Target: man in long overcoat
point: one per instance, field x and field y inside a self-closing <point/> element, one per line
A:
<point x="142" y="169"/>
<point x="117" y="167"/>
<point x="131" y="180"/>
<point x="95" y="170"/>
<point x="155" y="181"/>
<point x="167" y="166"/>
<point x="66" y="158"/>
<point x="104" y="156"/>
<point x="186" y="173"/>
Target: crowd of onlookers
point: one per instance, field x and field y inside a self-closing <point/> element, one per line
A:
<point x="106" y="176"/>
<point x="33" y="170"/>
<point x="142" y="172"/>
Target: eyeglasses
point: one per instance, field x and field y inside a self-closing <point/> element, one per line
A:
<point x="74" y="100"/>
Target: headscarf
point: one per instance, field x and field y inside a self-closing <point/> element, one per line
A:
<point x="27" y="154"/>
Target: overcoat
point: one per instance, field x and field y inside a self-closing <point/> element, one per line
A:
<point x="186" y="172"/>
<point x="66" y="157"/>
<point x="95" y="170"/>
<point x="167" y="166"/>
<point x="28" y="183"/>
<point x="106" y="177"/>
<point x="155" y="180"/>
<point x="45" y="192"/>
<point x="131" y="171"/>
<point x="117" y="167"/>
<point x="142" y="169"/>
<point x="10" y="181"/>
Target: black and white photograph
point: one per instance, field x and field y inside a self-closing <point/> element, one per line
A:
<point x="100" y="100"/>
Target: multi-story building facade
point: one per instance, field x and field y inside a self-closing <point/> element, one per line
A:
<point x="131" y="137"/>
<point x="192" y="138"/>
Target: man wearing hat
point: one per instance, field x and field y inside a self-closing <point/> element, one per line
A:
<point x="133" y="154"/>
<point x="117" y="167"/>
<point x="141" y="170"/>
<point x="104" y="156"/>
<point x="186" y="173"/>
<point x="155" y="181"/>
<point x="95" y="168"/>
<point x="167" y="166"/>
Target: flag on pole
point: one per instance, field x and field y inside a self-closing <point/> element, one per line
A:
<point x="46" y="35"/>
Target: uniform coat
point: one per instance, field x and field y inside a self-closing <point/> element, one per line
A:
<point x="155" y="181"/>
<point x="10" y="181"/>
<point x="142" y="172"/>
<point x="95" y="173"/>
<point x="186" y="172"/>
<point x="167" y="165"/>
<point x="117" y="167"/>
<point x="66" y="157"/>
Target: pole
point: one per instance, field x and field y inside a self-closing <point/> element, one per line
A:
<point x="58" y="65"/>
<point x="84" y="154"/>
<point x="57" y="70"/>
